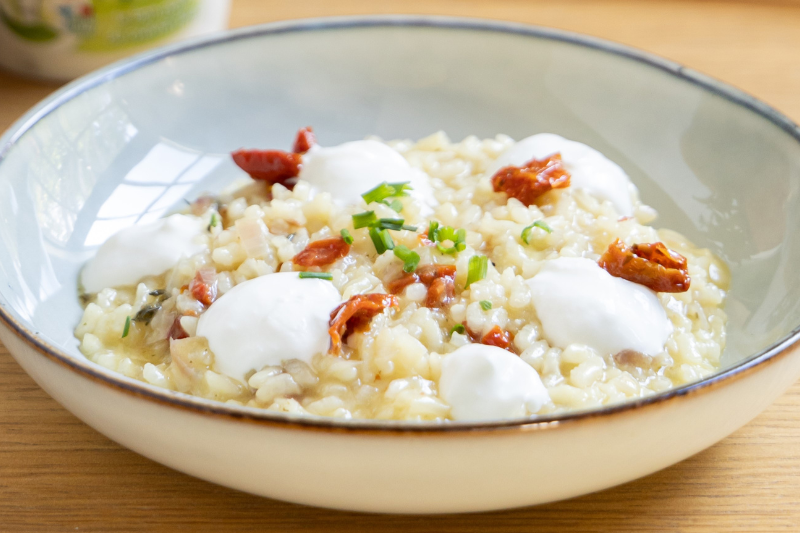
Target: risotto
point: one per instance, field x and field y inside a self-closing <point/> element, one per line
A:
<point x="434" y="280"/>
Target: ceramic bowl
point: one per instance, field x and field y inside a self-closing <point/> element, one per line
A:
<point x="128" y="143"/>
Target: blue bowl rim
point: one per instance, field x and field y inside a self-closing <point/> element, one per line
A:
<point x="192" y="403"/>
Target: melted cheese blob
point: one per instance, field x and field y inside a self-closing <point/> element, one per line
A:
<point x="589" y="169"/>
<point x="579" y="302"/>
<point x="349" y="170"/>
<point x="145" y="250"/>
<point x="267" y="320"/>
<point x="486" y="382"/>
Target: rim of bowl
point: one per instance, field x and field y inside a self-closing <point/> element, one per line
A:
<point x="262" y="416"/>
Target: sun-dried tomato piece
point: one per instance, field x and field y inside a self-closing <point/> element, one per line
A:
<point x="440" y="280"/>
<point x="176" y="331"/>
<point x="653" y="265"/>
<point x="322" y="252"/>
<point x="441" y="283"/>
<point x="441" y="292"/>
<point x="204" y="286"/>
<point x="356" y="313"/>
<point x="531" y="180"/>
<point x="272" y="166"/>
<point x="497" y="337"/>
<point x="659" y="253"/>
<point x="398" y="285"/>
<point x="304" y="141"/>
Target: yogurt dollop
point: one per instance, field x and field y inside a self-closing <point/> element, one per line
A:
<point x="579" y="302"/>
<point x="589" y="169"/>
<point x="351" y="169"/>
<point x="486" y="382"/>
<point x="267" y="320"/>
<point x="145" y="250"/>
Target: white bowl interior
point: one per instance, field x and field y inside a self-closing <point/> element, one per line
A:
<point x="133" y="145"/>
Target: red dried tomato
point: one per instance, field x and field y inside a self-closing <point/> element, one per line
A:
<point x="304" y="140"/>
<point x="531" y="180"/>
<point x="272" y="166"/>
<point x="322" y="252"/>
<point x="176" y="331"/>
<point x="355" y="314"/>
<point x="653" y="265"/>
<point x="204" y="286"/>
<point x="440" y="280"/>
<point x="497" y="337"/>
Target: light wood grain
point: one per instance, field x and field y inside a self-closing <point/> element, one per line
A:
<point x="57" y="474"/>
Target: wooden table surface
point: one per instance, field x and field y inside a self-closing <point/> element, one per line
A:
<point x="57" y="474"/>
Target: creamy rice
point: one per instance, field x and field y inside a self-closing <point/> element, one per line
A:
<point x="392" y="370"/>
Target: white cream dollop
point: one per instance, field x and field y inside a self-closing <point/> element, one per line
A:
<point x="486" y="382"/>
<point x="267" y="320"/>
<point x="349" y="170"/>
<point x="144" y="250"/>
<point x="579" y="302"/>
<point x="589" y="169"/>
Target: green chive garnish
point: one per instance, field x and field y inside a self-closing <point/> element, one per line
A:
<point x="486" y="305"/>
<point x="395" y="224"/>
<point x="476" y="270"/>
<point x="386" y="190"/>
<point x="409" y="257"/>
<point x="397" y="205"/>
<point x="346" y="236"/>
<point x="458" y="328"/>
<point x="316" y="275"/>
<point x="214" y="221"/>
<point x="363" y="220"/>
<point x="432" y="229"/>
<point x="457" y="237"/>
<point x="381" y="239"/>
<point x="127" y="327"/>
<point x="526" y="233"/>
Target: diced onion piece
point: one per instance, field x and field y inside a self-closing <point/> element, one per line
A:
<point x="253" y="234"/>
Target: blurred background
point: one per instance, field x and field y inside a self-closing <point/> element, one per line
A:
<point x="54" y="470"/>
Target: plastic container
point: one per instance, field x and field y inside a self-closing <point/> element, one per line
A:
<point x="63" y="39"/>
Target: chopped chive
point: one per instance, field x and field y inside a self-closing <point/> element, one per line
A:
<point x="486" y="305"/>
<point x="476" y="270"/>
<point x="127" y="327"/>
<point x="457" y="237"/>
<point x="395" y="224"/>
<point x="381" y="192"/>
<point x="458" y="328"/>
<point x="381" y="239"/>
<point x="409" y="257"/>
<point x="433" y="229"/>
<point x="526" y="233"/>
<point x="363" y="220"/>
<point x="214" y="221"/>
<point x="397" y="205"/>
<point x="316" y="275"/>
<point x="401" y="187"/>
<point x="346" y="236"/>
<point x="386" y="190"/>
